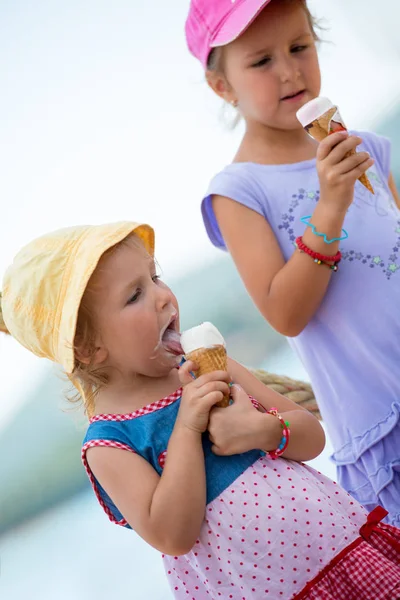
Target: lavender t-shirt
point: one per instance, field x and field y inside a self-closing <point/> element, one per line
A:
<point x="351" y="347"/>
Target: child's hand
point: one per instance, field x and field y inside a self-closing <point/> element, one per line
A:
<point x="199" y="396"/>
<point x="337" y="172"/>
<point x="241" y="427"/>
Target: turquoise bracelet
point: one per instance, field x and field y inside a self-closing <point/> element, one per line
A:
<point x="306" y="221"/>
<point x="284" y="441"/>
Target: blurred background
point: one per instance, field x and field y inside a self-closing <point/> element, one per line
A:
<point x="105" y="116"/>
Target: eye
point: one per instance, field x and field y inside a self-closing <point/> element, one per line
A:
<point x="261" y="63"/>
<point x="298" y="48"/>
<point x="156" y="278"/>
<point x="135" y="297"/>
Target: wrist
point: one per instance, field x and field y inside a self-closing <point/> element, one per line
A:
<point x="329" y="211"/>
<point x="269" y="433"/>
<point x="185" y="434"/>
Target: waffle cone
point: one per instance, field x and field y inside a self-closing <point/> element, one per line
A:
<point x="321" y="128"/>
<point x="208" y="360"/>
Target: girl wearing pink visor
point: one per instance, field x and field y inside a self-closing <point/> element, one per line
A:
<point x="289" y="210"/>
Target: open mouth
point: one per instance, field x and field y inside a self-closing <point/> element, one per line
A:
<point x="170" y="337"/>
<point x="295" y="96"/>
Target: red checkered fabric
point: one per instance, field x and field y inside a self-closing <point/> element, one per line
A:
<point x="371" y="571"/>
<point x="107" y="444"/>
<point x="162" y="458"/>
<point x="146" y="410"/>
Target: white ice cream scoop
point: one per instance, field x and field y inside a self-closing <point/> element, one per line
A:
<point x="205" y="335"/>
<point x="314" y="110"/>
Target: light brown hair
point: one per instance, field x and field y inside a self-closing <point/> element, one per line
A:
<point x="87" y="377"/>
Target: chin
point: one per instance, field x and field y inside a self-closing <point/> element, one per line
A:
<point x="162" y="366"/>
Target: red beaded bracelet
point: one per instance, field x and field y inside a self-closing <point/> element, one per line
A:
<point x="283" y="444"/>
<point x="333" y="267"/>
<point x="300" y="245"/>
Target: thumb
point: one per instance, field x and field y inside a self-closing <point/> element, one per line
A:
<point x="215" y="450"/>
<point x="333" y="139"/>
<point x="185" y="372"/>
<point x="239" y="395"/>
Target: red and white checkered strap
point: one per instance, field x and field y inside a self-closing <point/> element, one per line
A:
<point x="146" y="410"/>
<point x="104" y="444"/>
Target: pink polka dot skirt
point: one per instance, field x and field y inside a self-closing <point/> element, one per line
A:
<point x="272" y="532"/>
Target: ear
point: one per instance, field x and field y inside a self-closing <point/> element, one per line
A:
<point x="88" y="356"/>
<point x="219" y="84"/>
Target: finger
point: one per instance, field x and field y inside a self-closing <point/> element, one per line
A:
<point x="239" y="395"/>
<point x="352" y="163"/>
<point x="360" y="169"/>
<point x="212" y="386"/>
<point x="214" y="376"/>
<point x="343" y="150"/>
<point x="326" y="146"/>
<point x="211" y="399"/>
<point x="186" y="370"/>
<point x="214" y="421"/>
<point x="216" y="450"/>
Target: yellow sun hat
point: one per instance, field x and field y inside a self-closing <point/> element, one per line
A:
<point x="43" y="287"/>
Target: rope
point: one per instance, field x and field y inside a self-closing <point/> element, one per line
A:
<point x="298" y="391"/>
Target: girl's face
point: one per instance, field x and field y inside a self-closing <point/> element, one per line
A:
<point x="132" y="311"/>
<point x="272" y="69"/>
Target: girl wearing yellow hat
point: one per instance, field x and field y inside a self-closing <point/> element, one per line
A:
<point x="221" y="492"/>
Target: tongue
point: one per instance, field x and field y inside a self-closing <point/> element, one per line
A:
<point x="171" y="342"/>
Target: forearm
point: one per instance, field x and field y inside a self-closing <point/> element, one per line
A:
<point x="178" y="504"/>
<point x="306" y="440"/>
<point x="298" y="289"/>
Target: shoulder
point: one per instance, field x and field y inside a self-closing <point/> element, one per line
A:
<point x="107" y="431"/>
<point x="234" y="179"/>
<point x="239" y="182"/>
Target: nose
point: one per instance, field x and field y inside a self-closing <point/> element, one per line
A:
<point x="162" y="297"/>
<point x="287" y="68"/>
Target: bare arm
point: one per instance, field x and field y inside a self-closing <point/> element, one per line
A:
<point x="167" y="511"/>
<point x="286" y="294"/>
<point x="307" y="439"/>
<point x="239" y="427"/>
<point x="393" y="189"/>
<point x="289" y="294"/>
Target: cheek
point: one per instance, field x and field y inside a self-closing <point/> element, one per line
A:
<point x="311" y="68"/>
<point x="130" y="327"/>
<point x="259" y="91"/>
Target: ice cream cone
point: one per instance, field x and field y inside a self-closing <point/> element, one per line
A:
<point x="320" y="118"/>
<point x="205" y="345"/>
<point x="210" y="359"/>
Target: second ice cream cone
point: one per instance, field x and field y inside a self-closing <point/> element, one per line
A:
<point x="210" y="359"/>
<point x="324" y="124"/>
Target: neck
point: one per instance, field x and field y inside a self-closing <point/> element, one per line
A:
<point x="126" y="394"/>
<point x="266" y="145"/>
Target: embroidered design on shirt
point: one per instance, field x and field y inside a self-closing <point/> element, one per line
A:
<point x="290" y="224"/>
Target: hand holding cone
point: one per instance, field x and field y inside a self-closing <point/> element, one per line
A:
<point x="320" y="118"/>
<point x="205" y="346"/>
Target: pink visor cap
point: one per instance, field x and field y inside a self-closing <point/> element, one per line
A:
<point x="213" y="23"/>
